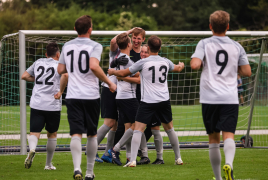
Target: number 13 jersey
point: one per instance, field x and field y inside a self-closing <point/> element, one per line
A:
<point x="76" y="54"/>
<point x="47" y="84"/>
<point x="220" y="57"/>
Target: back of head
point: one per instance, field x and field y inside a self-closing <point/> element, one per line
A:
<point x="154" y="44"/>
<point x="82" y="24"/>
<point x="139" y="31"/>
<point x="52" y="49"/>
<point x="219" y="21"/>
<point x="122" y="40"/>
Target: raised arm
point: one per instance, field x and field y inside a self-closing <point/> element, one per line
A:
<point x="244" y="70"/>
<point x="27" y="77"/>
<point x="179" y="67"/>
<point x="63" y="84"/>
<point x="196" y="63"/>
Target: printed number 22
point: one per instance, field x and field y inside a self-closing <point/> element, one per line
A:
<point x="224" y="63"/>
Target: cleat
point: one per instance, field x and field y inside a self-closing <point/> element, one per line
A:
<point x="178" y="162"/>
<point x="50" y="167"/>
<point x="144" y="160"/>
<point x="158" y="161"/>
<point x="139" y="153"/>
<point x="107" y="159"/>
<point x="115" y="157"/>
<point x="29" y="160"/>
<point x="228" y="172"/>
<point x="127" y="161"/>
<point x="89" y="177"/>
<point x="78" y="175"/>
<point x="98" y="159"/>
<point x="130" y="164"/>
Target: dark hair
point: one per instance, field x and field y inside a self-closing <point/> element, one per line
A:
<point x="138" y="31"/>
<point x="122" y="40"/>
<point x="82" y="24"/>
<point x="52" y="49"/>
<point x="154" y="44"/>
<point x="219" y="21"/>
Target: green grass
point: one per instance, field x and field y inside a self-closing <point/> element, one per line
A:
<point x="248" y="164"/>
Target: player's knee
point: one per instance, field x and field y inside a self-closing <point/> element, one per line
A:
<point x="110" y="122"/>
<point x="52" y="135"/>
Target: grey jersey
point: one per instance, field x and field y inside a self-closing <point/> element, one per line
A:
<point x="154" y="71"/>
<point x="82" y="83"/>
<point x="47" y="84"/>
<point x="221" y="57"/>
<point x="112" y="56"/>
<point x="126" y="90"/>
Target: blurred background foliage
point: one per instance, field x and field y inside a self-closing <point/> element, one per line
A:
<point x="172" y="15"/>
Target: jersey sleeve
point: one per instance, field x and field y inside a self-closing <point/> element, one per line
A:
<point x="171" y="65"/>
<point x="243" y="59"/>
<point x="97" y="52"/>
<point x="62" y="60"/>
<point x="199" y="51"/>
<point x="113" y="53"/>
<point x="137" y="66"/>
<point x="30" y="70"/>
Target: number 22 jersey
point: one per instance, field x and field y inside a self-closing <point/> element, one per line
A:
<point x="47" y="84"/>
<point x="220" y="57"/>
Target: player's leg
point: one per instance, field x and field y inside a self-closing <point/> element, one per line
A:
<point x="52" y="126"/>
<point x="110" y="143"/>
<point x="37" y="123"/>
<point x="241" y="98"/>
<point x="227" y="123"/>
<point x="158" y="141"/>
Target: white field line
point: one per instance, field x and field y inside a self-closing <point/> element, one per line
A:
<point x="164" y="134"/>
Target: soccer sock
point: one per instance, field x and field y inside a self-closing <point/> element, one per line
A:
<point x="135" y="144"/>
<point x="128" y="149"/>
<point x="158" y="141"/>
<point x="110" y="142"/>
<point x="51" y="146"/>
<point x="215" y="159"/>
<point x="128" y="134"/>
<point x="229" y="151"/>
<point x="102" y="131"/>
<point x="32" y="141"/>
<point x="92" y="147"/>
<point x="143" y="146"/>
<point x="76" y="150"/>
<point x="148" y="133"/>
<point x="174" y="142"/>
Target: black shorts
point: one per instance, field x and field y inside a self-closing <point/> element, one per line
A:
<point x="220" y="117"/>
<point x="48" y="119"/>
<point x="127" y="109"/>
<point x="83" y="116"/>
<point x="108" y="104"/>
<point x="155" y="121"/>
<point x="147" y="111"/>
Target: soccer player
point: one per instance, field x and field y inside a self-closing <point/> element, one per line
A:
<point x="80" y="57"/>
<point x="155" y="96"/>
<point x="220" y="58"/>
<point x="240" y="89"/>
<point x="127" y="103"/>
<point x="45" y="110"/>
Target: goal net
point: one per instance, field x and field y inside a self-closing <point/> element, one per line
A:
<point x="183" y="87"/>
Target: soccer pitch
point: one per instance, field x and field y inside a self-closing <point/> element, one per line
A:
<point x="249" y="164"/>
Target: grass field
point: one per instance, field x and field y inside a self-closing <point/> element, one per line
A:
<point x="249" y="164"/>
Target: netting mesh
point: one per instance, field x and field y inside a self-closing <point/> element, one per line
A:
<point x="183" y="88"/>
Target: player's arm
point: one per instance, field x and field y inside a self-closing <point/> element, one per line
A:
<point x="244" y="70"/>
<point x="98" y="72"/>
<point x="27" y="77"/>
<point x="62" y="68"/>
<point x="134" y="79"/>
<point x="179" y="67"/>
<point x="63" y="84"/>
<point x="196" y="63"/>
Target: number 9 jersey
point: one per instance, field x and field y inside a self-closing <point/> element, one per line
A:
<point x="47" y="84"/>
<point x="220" y="57"/>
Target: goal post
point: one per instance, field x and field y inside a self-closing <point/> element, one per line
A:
<point x="20" y="50"/>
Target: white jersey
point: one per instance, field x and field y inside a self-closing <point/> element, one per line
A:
<point x="221" y="57"/>
<point x="112" y="56"/>
<point x="47" y="84"/>
<point x="82" y="83"/>
<point x="154" y="70"/>
<point x="126" y="90"/>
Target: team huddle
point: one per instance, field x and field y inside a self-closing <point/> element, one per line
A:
<point x="134" y="99"/>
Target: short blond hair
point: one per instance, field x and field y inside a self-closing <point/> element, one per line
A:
<point x="219" y="21"/>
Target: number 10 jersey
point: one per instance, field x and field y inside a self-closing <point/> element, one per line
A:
<point x="220" y="57"/>
<point x="47" y="84"/>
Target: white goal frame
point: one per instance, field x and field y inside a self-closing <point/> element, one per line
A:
<point x="22" y="62"/>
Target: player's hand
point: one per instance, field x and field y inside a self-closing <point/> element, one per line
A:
<point x="181" y="64"/>
<point x="112" y="87"/>
<point x="58" y="95"/>
<point x="131" y="30"/>
<point x="119" y="61"/>
<point x="111" y="71"/>
<point x="120" y="78"/>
